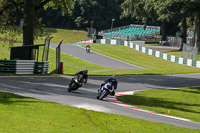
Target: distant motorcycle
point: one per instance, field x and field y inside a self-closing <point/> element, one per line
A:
<point x="105" y="90"/>
<point x="88" y="49"/>
<point x="75" y="83"/>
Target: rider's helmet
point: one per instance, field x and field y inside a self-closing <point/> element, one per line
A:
<point x="113" y="77"/>
<point x="85" y="71"/>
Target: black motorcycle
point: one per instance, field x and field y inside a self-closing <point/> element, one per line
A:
<point x="75" y="83"/>
<point x="105" y="90"/>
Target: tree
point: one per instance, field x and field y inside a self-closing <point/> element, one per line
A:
<point x="144" y="10"/>
<point x="54" y="18"/>
<point x="166" y="11"/>
<point x="181" y="10"/>
<point x="96" y="13"/>
<point x="27" y="10"/>
<point x="195" y="7"/>
<point x="28" y="27"/>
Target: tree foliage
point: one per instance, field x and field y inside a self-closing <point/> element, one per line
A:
<point x="166" y="11"/>
<point x="96" y="13"/>
<point x="12" y="11"/>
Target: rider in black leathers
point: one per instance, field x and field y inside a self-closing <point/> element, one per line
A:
<point x="87" y="47"/>
<point x="82" y="75"/>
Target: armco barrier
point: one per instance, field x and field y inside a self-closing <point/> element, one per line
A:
<point x="41" y="67"/>
<point x="134" y="45"/>
<point x="23" y="67"/>
<point x="7" y="66"/>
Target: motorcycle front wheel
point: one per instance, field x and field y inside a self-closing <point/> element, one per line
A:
<point x="103" y="95"/>
<point x="72" y="87"/>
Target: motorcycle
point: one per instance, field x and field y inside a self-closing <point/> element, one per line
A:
<point x="88" y="49"/>
<point x="105" y="90"/>
<point x="75" y="83"/>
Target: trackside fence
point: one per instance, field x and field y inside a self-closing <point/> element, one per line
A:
<point x="190" y="52"/>
<point x="23" y="67"/>
<point x="136" y="46"/>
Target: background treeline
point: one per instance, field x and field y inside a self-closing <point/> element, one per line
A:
<point x="85" y="14"/>
<point x="170" y="15"/>
<point x="96" y="14"/>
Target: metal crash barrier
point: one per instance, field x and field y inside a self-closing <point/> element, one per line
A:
<point x="23" y="67"/>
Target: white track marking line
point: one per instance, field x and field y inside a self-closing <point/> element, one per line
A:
<point x="93" y="107"/>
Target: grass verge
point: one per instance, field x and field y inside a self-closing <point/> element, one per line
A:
<point x="184" y="102"/>
<point x="68" y="36"/>
<point x="28" y="115"/>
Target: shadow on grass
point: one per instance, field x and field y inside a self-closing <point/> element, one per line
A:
<point x="9" y="98"/>
<point x="157" y="102"/>
<point x="49" y="31"/>
<point x="192" y="90"/>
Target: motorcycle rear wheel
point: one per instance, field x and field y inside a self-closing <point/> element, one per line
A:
<point x="69" y="89"/>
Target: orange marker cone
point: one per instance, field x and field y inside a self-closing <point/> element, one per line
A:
<point x="169" y="111"/>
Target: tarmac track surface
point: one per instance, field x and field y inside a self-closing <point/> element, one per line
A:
<point x="55" y="89"/>
<point x="93" y="57"/>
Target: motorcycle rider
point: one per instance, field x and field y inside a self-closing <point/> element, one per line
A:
<point x="87" y="47"/>
<point x="82" y="75"/>
<point x="113" y="82"/>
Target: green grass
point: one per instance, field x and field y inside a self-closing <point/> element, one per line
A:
<point x="68" y="36"/>
<point x="5" y="51"/>
<point x="184" y="102"/>
<point x="27" y="115"/>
